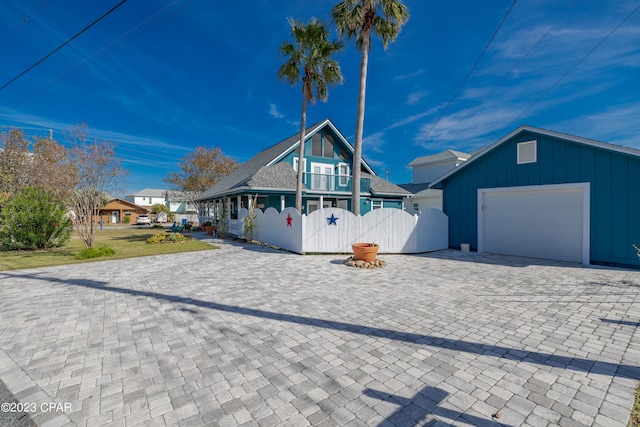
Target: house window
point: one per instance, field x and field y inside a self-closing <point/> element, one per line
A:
<point x="296" y="160"/>
<point x="343" y="172"/>
<point x="328" y="146"/>
<point x="376" y="204"/>
<point x="527" y="152"/>
<point x="416" y="206"/>
<point x="316" y="145"/>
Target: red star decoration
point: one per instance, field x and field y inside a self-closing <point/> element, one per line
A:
<point x="289" y="219"/>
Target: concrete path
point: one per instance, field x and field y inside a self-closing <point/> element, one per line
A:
<point x="246" y="335"/>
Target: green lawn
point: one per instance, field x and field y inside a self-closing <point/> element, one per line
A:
<point x="128" y="243"/>
<point x="634" y="421"/>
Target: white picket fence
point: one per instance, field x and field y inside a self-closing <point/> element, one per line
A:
<point x="394" y="230"/>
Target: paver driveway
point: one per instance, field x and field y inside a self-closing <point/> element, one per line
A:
<point x="247" y="335"/>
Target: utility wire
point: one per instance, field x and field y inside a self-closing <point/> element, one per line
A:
<point x="574" y="66"/>
<point x="24" y="21"/>
<point x="469" y="74"/>
<point x="484" y="98"/>
<point x="62" y="45"/>
<point x="90" y="59"/>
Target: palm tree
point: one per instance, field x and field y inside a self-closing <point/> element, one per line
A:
<point x="310" y="57"/>
<point x="360" y="19"/>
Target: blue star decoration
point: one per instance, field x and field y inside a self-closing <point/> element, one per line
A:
<point x="332" y="220"/>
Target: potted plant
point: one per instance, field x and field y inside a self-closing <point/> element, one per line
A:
<point x="367" y="252"/>
<point x="208" y="226"/>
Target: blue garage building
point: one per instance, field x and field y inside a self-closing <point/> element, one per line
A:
<point x="545" y="194"/>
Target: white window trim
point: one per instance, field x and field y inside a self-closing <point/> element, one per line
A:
<point x="377" y="201"/>
<point x="343" y="178"/>
<point x="296" y="160"/>
<point x="524" y="146"/>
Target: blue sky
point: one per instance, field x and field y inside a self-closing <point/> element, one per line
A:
<point x="159" y="77"/>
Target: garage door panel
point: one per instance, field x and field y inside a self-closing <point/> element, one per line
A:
<point x="544" y="223"/>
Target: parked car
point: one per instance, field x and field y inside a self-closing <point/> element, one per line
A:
<point x="143" y="219"/>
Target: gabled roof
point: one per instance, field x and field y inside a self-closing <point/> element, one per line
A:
<point x="149" y="192"/>
<point x="383" y="187"/>
<point x="440" y="157"/>
<point x="263" y="170"/>
<point x="123" y="202"/>
<point x="543" y="132"/>
<point x="414" y="188"/>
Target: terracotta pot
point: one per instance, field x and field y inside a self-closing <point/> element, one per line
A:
<point x="365" y="252"/>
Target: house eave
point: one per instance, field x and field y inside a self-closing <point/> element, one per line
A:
<point x="524" y="128"/>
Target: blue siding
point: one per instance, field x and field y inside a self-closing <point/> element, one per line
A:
<point x="615" y="191"/>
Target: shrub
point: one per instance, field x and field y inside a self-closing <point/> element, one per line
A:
<point x="126" y="220"/>
<point x="34" y="219"/>
<point x="166" y="238"/>
<point x="156" y="238"/>
<point x="93" y="252"/>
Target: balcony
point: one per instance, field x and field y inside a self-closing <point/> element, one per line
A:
<point x="333" y="183"/>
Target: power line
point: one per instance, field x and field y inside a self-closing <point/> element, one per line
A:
<point x="465" y="80"/>
<point x="574" y="66"/>
<point x="62" y="45"/>
<point x="90" y="59"/>
<point x="544" y="36"/>
<point x="24" y="21"/>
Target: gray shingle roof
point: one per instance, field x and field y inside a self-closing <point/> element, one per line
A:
<point x="414" y="188"/>
<point x="382" y="186"/>
<point x="244" y="175"/>
<point x="261" y="171"/>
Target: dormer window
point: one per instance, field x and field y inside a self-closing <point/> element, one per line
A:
<point x="527" y="152"/>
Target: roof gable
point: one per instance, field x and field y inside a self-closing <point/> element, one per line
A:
<point x="149" y="192"/>
<point x="255" y="171"/>
<point x="440" y="157"/>
<point x="537" y="131"/>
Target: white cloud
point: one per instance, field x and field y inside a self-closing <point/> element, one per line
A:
<point x="415" y="97"/>
<point x="273" y="111"/>
<point x="410" y="75"/>
<point x="374" y="142"/>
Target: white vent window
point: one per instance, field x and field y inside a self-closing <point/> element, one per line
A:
<point x="527" y="152"/>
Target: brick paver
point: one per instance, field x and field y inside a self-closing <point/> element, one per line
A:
<point x="247" y="335"/>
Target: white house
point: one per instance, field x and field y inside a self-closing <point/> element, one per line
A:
<point x="171" y="199"/>
<point x="427" y="169"/>
<point x="148" y="197"/>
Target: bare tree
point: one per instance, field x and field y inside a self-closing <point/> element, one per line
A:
<point x="200" y="170"/>
<point x="98" y="173"/>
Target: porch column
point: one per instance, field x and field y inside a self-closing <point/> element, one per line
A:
<point x="321" y="201"/>
<point x="282" y="203"/>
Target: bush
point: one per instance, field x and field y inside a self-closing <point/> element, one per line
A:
<point x="34" y="219"/>
<point x="166" y="238"/>
<point x="126" y="220"/>
<point x="93" y="252"/>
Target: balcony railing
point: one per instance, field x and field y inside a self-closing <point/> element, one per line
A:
<point x="337" y="183"/>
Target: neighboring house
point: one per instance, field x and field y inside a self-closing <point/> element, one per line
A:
<point x="148" y="197"/>
<point x="549" y="195"/>
<point x="425" y="170"/>
<point x="116" y="210"/>
<point x="271" y="175"/>
<point x="171" y="199"/>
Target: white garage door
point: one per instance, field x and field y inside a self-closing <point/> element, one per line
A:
<point x="550" y="221"/>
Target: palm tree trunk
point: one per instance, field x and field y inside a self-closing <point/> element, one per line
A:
<point x="303" y="125"/>
<point x="357" y="147"/>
